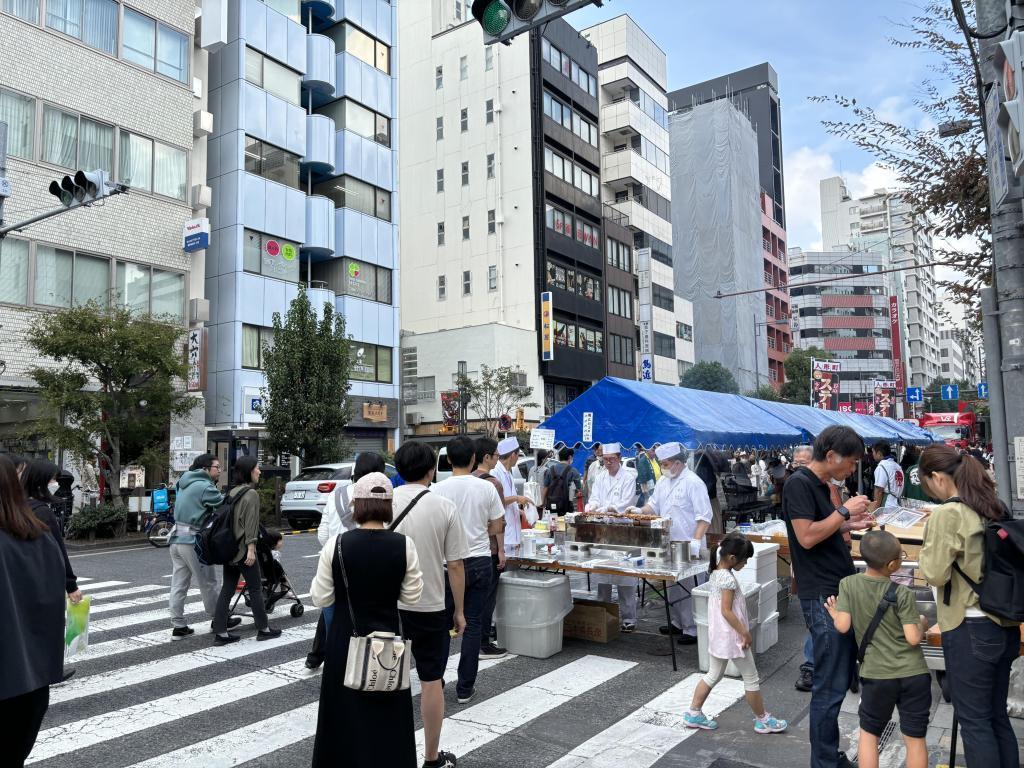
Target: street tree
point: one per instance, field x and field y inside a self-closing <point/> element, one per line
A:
<point x="766" y="392"/>
<point x="496" y="392"/>
<point x="711" y="376"/>
<point x="797" y="387"/>
<point x="115" y="388"/>
<point x="305" y="400"/>
<point x="933" y="395"/>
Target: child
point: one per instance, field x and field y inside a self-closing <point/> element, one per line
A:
<point x="275" y="541"/>
<point x="729" y="638"/>
<point x="893" y="672"/>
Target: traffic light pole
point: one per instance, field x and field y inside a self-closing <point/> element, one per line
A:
<point x="4" y="231"/>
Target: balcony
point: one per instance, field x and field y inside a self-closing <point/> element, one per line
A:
<point x="319" y="227"/>
<point x="322" y="10"/>
<point x="624" y="119"/>
<point x="627" y="166"/>
<point x="320" y="145"/>
<point x="321" y="67"/>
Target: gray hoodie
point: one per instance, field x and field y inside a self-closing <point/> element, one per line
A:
<point x="196" y="493"/>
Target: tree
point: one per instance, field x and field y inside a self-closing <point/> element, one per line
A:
<point x="933" y="395"/>
<point x="116" y="386"/>
<point x="496" y="392"/>
<point x="305" y="401"/>
<point x="943" y="179"/>
<point x="766" y="392"/>
<point x="711" y="376"/>
<point x="797" y="387"/>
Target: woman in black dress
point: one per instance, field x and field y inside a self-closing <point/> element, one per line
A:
<point x="357" y="729"/>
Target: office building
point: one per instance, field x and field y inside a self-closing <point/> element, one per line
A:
<point x="501" y="203"/>
<point x="959" y="355"/>
<point x="884" y="224"/>
<point x="719" y="238"/>
<point x="635" y="182"/>
<point x="779" y="337"/>
<point x="105" y="86"/>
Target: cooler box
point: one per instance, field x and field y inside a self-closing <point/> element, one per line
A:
<point x="762" y="567"/>
<point x="702" y="593"/>
<point x="530" y="610"/>
<point x="768" y="602"/>
<point x="766" y="634"/>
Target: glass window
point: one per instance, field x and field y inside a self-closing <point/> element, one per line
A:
<point x="53" y="276"/>
<point x="465" y="173"/>
<point x="440" y="233"/>
<point x="272" y="163"/>
<point x="382" y="132"/>
<point x="94" y="22"/>
<point x="169" y="172"/>
<point x="490" y="166"/>
<point x="132" y="285"/>
<point x="383" y="57"/>
<point x="492" y="278"/>
<point x="489" y="111"/>
<point x="169" y="295"/>
<point x="464" y="120"/>
<point x="14" y="271"/>
<point x="440" y="179"/>
<point x="359" y="280"/>
<point x="463" y="67"/>
<point x="467" y="283"/>
<point x="91" y="279"/>
<point x="358" y="43"/>
<point x="465" y="227"/>
<point x="138" y="43"/>
<point x="25" y="9"/>
<point x="270" y="256"/>
<point x="254" y="67"/>
<point x="60" y="137"/>
<point x="488" y="58"/>
<point x="136" y="161"/>
<point x="251" y="346"/>
<point x="18" y="112"/>
<point x="382" y="200"/>
<point x="371" y="363"/>
<point x="442" y="287"/>
<point x="96" y="146"/>
<point x="440" y="128"/>
<point x="171" y="53"/>
<point x="281" y="81"/>
<point x="491" y="222"/>
<point x="438" y="77"/>
<point x="289" y="8"/>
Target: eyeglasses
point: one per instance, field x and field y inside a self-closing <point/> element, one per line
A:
<point x="215" y="466"/>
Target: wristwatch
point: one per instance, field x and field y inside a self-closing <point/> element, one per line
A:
<point x="844" y="512"/>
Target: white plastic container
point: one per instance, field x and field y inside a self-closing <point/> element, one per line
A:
<point x="702" y="593"/>
<point x="530" y="610"/>
<point x="768" y="602"/>
<point x="766" y="634"/>
<point x="762" y="567"/>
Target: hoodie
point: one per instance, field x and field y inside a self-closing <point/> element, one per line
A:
<point x="195" y="494"/>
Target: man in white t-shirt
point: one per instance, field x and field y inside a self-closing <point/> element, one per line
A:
<point x="481" y="513"/>
<point x="889" y="479"/>
<point x="434" y="526"/>
<point x="508" y="455"/>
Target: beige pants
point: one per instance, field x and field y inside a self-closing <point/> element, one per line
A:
<point x="745" y="664"/>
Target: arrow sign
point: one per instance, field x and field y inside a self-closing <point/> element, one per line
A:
<point x="983" y="391"/>
<point x="915" y="394"/>
<point x="950" y="392"/>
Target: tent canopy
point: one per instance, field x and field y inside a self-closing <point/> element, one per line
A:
<point x="631" y="412"/>
<point x="813" y="421"/>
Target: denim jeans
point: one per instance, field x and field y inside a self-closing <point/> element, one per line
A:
<point x="490" y="602"/>
<point x="835" y="658"/>
<point x="808" y="665"/>
<point x="979" y="683"/>
<point x="478" y="586"/>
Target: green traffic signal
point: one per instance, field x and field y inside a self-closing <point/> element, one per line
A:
<point x="494" y="15"/>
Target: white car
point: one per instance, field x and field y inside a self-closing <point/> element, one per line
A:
<point x="305" y="496"/>
<point x="519" y="472"/>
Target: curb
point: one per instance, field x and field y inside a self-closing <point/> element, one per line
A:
<point x="72" y="546"/>
<point x="293" y="533"/>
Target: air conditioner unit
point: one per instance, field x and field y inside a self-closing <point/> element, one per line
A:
<point x="202" y="196"/>
<point x="413" y="418"/>
<point x="202" y="123"/>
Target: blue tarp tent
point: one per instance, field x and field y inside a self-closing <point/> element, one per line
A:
<point x="813" y="421"/>
<point x="911" y="434"/>
<point x="630" y="412"/>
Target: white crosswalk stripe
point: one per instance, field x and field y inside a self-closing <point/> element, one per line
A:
<point x="96" y="587"/>
<point x="123" y="592"/>
<point x="119" y="605"/>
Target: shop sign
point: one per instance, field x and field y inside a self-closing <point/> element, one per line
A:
<point x="196" y="360"/>
<point x="547" y="342"/>
<point x="376" y="412"/>
<point x="195" y="235"/>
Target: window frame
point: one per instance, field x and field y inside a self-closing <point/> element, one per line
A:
<point x="264" y="61"/>
<point x="381" y="51"/>
<point x="489" y="111"/>
<point x="377" y="351"/>
<point x="464" y="120"/>
<point x="158" y="26"/>
<point x="261" y="331"/>
<point x="439" y="128"/>
<point x="492" y="278"/>
<point x="491" y="163"/>
<point x="383" y="278"/>
<point x="440" y="233"/>
<point x="442" y="287"/>
<point x="465" y="228"/>
<point x="377" y="195"/>
<point x="440" y="180"/>
<point x="465" y="173"/>
<point x="492" y="221"/>
<point x="262" y="159"/>
<point x="438" y="77"/>
<point x="82" y="24"/>
<point x="467" y="282"/>
<point x="264" y="237"/>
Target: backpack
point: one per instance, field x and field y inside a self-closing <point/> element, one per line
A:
<point x="558" y="491"/>
<point x="1001" y="590"/>
<point x="216" y="543"/>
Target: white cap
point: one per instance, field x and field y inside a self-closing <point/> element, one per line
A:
<point x="612" y="448"/>
<point x="373" y="486"/>
<point x="508" y="445"/>
<point x="667" y="451"/>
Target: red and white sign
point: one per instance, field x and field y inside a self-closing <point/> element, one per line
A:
<point x="897" y="344"/>
<point x="846" y="407"/>
<point x="861" y="408"/>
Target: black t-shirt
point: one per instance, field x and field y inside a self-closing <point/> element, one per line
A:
<point x="820" y="569"/>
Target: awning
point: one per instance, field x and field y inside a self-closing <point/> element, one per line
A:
<point x="813" y="421"/>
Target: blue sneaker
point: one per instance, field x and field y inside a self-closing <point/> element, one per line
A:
<point x="701" y="721"/>
<point x="769" y="724"/>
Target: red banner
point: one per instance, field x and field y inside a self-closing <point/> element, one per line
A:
<point x="884" y="398"/>
<point x="861" y="408"/>
<point x="846" y="407"/>
<point x="825" y="384"/>
<point x="897" y="346"/>
<point x="450" y="407"/>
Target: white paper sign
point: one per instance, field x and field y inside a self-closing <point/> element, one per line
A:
<point x="588" y="427"/>
<point x="186" y="442"/>
<point x="1018" y="454"/>
<point x="542" y="439"/>
<point x="177" y="444"/>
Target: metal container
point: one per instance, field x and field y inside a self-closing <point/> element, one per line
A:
<point x="625" y="535"/>
<point x="680" y="552"/>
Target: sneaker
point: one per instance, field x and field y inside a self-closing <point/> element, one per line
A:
<point x="268" y="634"/>
<point x="628" y="627"/>
<point x="769" y="724"/>
<point x="701" y="721"/>
<point x="492" y="651"/>
<point x="444" y="760"/>
<point x="805" y="682"/>
<point x="465" y="698"/>
<point x="179" y="633"/>
<point x="845" y="762"/>
<point x="234" y="621"/>
<point x="669" y="629"/>
<point x="225" y="639"/>
<point x="687" y="640"/>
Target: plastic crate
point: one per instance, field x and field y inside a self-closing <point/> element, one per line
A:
<point x="529" y="599"/>
<point x="762" y="567"/>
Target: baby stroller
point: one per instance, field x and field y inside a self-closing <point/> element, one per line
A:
<point x="274" y="580"/>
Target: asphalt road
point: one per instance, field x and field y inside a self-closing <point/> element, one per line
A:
<point x="140" y="699"/>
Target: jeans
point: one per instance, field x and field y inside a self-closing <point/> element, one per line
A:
<point x="979" y="683"/>
<point x="835" y="658"/>
<point x="492" y="599"/>
<point x="808" y="665"/>
<point x="478" y="587"/>
<point x="22" y="715"/>
<point x="184" y="567"/>
<point x="227" y="592"/>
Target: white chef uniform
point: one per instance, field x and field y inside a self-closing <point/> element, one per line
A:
<point x="685" y="500"/>
<point x="513" y="526"/>
<point x="618" y="491"/>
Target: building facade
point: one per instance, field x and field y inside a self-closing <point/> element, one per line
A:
<point x="959" y="355"/>
<point x="111" y="86"/>
<point x="778" y="332"/>
<point x="303" y="167"/>
<point x="884" y="224"/>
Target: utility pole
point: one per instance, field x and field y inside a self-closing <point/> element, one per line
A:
<point x="1003" y="303"/>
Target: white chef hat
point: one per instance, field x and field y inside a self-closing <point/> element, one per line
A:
<point x="612" y="448"/>
<point x="667" y="451"/>
<point x="507" y="446"/>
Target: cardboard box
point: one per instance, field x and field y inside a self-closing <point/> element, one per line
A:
<point x="592" y="620"/>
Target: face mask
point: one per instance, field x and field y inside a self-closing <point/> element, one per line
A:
<point x="675" y="471"/>
<point x="53" y="487"/>
<point x="837" y="483"/>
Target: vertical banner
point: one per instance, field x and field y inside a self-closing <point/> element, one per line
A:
<point x="450" y="407"/>
<point x="884" y="398"/>
<point x="825" y="384"/>
<point x="195" y="358"/>
<point x="897" y="344"/>
<point x="547" y="344"/>
<point x="645" y="298"/>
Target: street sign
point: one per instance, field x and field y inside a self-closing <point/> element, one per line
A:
<point x="950" y="392"/>
<point x="542" y="439"/>
<point x="504" y="423"/>
<point x="915" y="394"/>
<point x="983" y="390"/>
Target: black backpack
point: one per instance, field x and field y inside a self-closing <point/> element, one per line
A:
<point x="558" y="491"/>
<point x="1001" y="590"/>
<point x="216" y="543"/>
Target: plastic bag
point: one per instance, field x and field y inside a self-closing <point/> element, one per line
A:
<point x="76" y="627"/>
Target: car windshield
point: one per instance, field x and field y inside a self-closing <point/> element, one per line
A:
<point x="315" y="473"/>
<point x="947" y="432"/>
<point x="443" y="465"/>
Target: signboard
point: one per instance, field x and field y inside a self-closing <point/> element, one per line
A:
<point x="542" y="439"/>
<point x="915" y="394"/>
<point x="999" y="180"/>
<point x="846" y="407"/>
<point x="133" y="477"/>
<point x="375" y="412"/>
<point x="182" y="460"/>
<point x="504" y="423"/>
<point x="860" y="408"/>
<point x="195" y="235"/>
<point x="588" y="426"/>
<point x="646" y="359"/>
<point x="950" y="392"/>
<point x="983" y="391"/>
<point x="897" y="343"/>
<point x="884" y="398"/>
<point x="825" y="384"/>
<point x="251" y="401"/>
<point x="195" y="358"/>
<point x="547" y="343"/>
<point x="450" y="407"/>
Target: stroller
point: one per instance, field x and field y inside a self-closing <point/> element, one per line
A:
<point x="274" y="580"/>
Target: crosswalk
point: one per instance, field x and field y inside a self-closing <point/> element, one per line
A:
<point x="140" y="700"/>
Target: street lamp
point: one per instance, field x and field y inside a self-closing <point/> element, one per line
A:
<point x="955" y="128"/>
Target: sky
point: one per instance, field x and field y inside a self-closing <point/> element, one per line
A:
<point x="817" y="48"/>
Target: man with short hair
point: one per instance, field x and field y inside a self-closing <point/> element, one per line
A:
<point x="821" y="559"/>
<point x="195" y="494"/>
<point x="434" y="526"/>
<point x="560" y="484"/>
<point x="481" y="513"/>
<point x="486" y="460"/>
<point x="889" y="479"/>
<point x="801" y="458"/>
<point x="508" y="455"/>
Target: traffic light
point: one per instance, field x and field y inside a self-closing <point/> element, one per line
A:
<point x="83" y="187"/>
<point x="502" y="20"/>
<point x="1009" y="60"/>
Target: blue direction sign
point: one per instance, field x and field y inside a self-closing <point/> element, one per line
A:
<point x="950" y="392"/>
<point x="915" y="395"/>
<point x="983" y="390"/>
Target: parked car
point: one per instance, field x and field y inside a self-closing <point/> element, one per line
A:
<point x="519" y="472"/>
<point x="305" y="495"/>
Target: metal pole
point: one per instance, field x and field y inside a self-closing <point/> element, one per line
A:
<point x="757" y="361"/>
<point x="996" y="404"/>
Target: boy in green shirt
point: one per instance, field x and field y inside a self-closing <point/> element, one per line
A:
<point x="893" y="672"/>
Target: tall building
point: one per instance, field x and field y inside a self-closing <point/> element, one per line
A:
<point x="717" y="227"/>
<point x="958" y="355"/>
<point x="635" y="178"/>
<point x="884" y="224"/>
<point x="501" y="203"/>
<point x="778" y="331"/>
<point x="756" y="90"/>
<point x="302" y="162"/>
<point x="848" y="318"/>
<point x="97" y="86"/>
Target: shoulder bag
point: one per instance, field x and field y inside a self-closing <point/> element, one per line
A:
<point x="888" y="601"/>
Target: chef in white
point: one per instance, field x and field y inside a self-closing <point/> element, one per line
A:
<point x="614" y="491"/>
<point x="683" y="497"/>
<point x="508" y="455"/>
